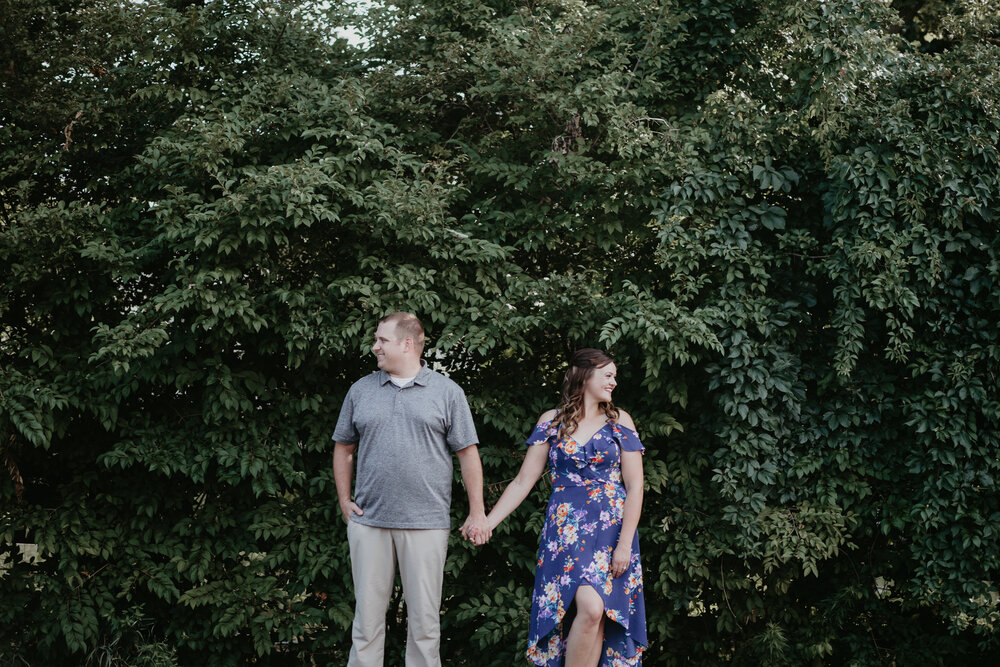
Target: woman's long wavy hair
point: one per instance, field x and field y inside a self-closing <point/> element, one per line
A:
<point x="581" y="366"/>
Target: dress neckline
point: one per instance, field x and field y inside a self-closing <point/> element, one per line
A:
<point x="587" y="441"/>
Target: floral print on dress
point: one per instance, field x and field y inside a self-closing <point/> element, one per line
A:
<point x="581" y="530"/>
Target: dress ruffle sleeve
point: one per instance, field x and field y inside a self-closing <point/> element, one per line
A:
<point x="627" y="439"/>
<point x="540" y="435"/>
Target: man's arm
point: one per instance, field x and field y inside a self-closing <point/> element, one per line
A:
<point x="343" y="471"/>
<point x="472" y="477"/>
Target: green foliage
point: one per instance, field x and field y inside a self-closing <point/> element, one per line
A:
<point x="779" y="216"/>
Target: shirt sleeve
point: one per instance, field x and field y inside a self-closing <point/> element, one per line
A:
<point x="540" y="435"/>
<point x="345" y="431"/>
<point x="629" y="440"/>
<point x="462" y="428"/>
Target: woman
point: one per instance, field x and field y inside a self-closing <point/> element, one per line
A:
<point x="587" y="607"/>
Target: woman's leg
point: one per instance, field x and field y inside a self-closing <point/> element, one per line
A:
<point x="586" y="634"/>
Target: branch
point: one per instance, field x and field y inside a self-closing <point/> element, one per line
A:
<point x="725" y="593"/>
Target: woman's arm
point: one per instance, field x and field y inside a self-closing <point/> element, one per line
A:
<point x="531" y="469"/>
<point x="633" y="479"/>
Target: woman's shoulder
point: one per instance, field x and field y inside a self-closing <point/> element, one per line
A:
<point x="625" y="419"/>
<point x="542" y="433"/>
<point x="626" y="434"/>
<point x="546" y="416"/>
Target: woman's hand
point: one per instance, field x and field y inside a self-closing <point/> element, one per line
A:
<point x="477" y="529"/>
<point x="620" y="559"/>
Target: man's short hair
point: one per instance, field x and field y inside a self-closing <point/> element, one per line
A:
<point x="407" y="326"/>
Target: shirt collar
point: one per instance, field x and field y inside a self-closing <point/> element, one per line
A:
<point x="422" y="378"/>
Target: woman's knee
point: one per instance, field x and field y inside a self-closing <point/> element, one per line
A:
<point x="589" y="607"/>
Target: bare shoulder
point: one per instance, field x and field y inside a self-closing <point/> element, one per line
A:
<point x="625" y="419"/>
<point x="547" y="416"/>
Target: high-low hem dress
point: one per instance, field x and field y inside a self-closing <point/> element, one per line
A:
<point x="582" y="525"/>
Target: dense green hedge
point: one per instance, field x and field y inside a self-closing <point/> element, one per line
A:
<point x="780" y="217"/>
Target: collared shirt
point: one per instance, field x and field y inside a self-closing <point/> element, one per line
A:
<point x="405" y="437"/>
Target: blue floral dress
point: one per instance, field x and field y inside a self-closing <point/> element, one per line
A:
<point x="582" y="525"/>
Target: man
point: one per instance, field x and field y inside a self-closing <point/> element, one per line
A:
<point x="403" y="421"/>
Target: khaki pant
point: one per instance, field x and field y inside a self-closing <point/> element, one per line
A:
<point x="420" y="554"/>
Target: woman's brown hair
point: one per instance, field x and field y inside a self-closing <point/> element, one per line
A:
<point x="581" y="367"/>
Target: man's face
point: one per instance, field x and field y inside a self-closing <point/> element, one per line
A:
<point x="389" y="350"/>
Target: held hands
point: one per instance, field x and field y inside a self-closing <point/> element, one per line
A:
<point x="620" y="559"/>
<point x="477" y="529"/>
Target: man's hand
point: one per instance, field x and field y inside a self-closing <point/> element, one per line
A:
<point x="349" y="507"/>
<point x="477" y="529"/>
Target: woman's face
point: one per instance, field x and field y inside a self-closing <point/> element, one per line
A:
<point x="601" y="383"/>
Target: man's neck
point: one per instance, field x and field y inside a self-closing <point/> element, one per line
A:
<point x="409" y="371"/>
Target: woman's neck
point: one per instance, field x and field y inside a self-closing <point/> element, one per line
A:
<point x="591" y="408"/>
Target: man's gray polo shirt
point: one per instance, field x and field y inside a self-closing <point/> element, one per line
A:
<point x="405" y="437"/>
